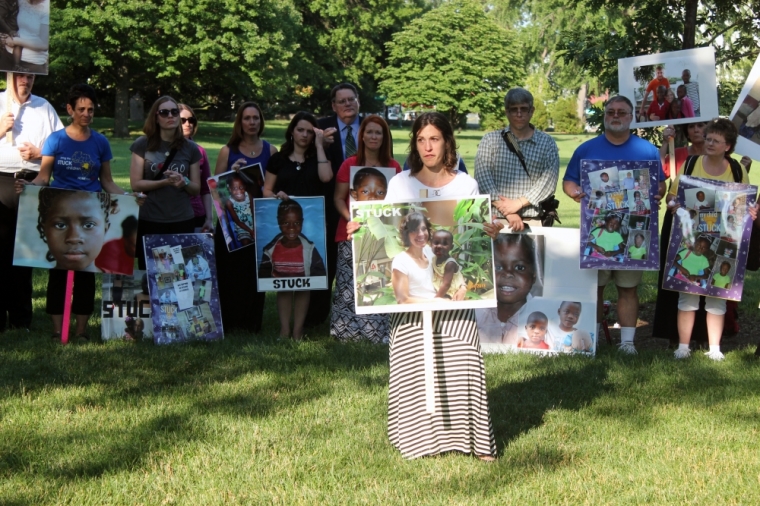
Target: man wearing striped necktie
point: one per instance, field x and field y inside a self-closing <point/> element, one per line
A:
<point x="344" y="98"/>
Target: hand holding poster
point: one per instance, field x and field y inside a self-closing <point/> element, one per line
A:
<point x="424" y="255"/>
<point x="76" y="230"/>
<point x="183" y="290"/>
<point x="709" y="241"/>
<point x="290" y="244"/>
<point x="233" y="193"/>
<point x="618" y="228"/>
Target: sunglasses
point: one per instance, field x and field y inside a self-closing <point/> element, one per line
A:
<point x="165" y="113"/>
<point x="191" y="119"/>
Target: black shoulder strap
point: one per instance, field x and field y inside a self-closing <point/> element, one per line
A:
<point x="736" y="170"/>
<point x="689" y="165"/>
<point x="168" y="160"/>
<point x="511" y="141"/>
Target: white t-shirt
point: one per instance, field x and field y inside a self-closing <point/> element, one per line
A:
<point x="34" y="121"/>
<point x="405" y="187"/>
<point x="420" y="280"/>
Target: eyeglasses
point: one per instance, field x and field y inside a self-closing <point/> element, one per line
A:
<point x="190" y="120"/>
<point x="522" y="111"/>
<point x="611" y="113"/>
<point x="346" y="101"/>
<point x="712" y="140"/>
<point x="165" y="113"/>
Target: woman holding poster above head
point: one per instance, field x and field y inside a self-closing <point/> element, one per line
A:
<point x="717" y="164"/>
<point x="368" y="184"/>
<point x="460" y="421"/>
<point x="201" y="203"/>
<point x="234" y="269"/>
<point x="76" y="158"/>
<point x="166" y="166"/>
<point x="299" y="169"/>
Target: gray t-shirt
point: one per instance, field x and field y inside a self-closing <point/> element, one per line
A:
<point x="167" y="204"/>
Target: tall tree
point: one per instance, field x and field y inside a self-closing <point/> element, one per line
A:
<point x="176" y="45"/>
<point x="455" y="59"/>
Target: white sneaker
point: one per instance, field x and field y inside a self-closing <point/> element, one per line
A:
<point x="627" y="348"/>
<point x="715" y="355"/>
<point x="679" y="354"/>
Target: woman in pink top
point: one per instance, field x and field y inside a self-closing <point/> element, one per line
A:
<point x="374" y="150"/>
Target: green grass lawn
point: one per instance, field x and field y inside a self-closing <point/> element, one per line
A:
<point x="251" y="420"/>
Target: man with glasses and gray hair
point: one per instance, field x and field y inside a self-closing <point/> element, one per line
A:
<point x="518" y="165"/>
<point x="617" y="143"/>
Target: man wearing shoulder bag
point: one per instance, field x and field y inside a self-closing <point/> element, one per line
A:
<point x="519" y="167"/>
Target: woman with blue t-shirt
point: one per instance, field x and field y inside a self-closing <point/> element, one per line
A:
<point x="77" y="158"/>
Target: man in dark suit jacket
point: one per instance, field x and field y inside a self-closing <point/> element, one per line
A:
<point x="345" y="103"/>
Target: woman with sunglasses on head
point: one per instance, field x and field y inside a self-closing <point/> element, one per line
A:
<point x="202" y="202"/>
<point x="233" y="269"/>
<point x="166" y="167"/>
<point x="300" y="169"/>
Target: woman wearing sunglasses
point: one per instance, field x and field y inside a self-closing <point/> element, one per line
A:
<point x="202" y="202"/>
<point x="166" y="167"/>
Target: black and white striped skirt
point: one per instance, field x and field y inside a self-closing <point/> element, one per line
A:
<point x="461" y="421"/>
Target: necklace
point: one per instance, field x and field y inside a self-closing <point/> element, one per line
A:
<point x="252" y="152"/>
<point x="297" y="162"/>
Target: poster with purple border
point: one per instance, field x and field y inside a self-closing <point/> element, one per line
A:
<point x="184" y="295"/>
<point x="707" y="254"/>
<point x="619" y="231"/>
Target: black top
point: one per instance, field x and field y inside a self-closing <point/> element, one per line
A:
<point x="295" y="181"/>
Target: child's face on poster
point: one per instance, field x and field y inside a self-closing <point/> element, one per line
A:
<point x="569" y="314"/>
<point x="441" y="244"/>
<point x="536" y="330"/>
<point x="291" y="224"/>
<point x="75" y="230"/>
<point x="515" y="273"/>
<point x="372" y="188"/>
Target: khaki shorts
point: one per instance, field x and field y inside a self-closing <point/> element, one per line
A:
<point x="623" y="279"/>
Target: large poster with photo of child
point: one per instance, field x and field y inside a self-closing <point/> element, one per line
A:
<point x="422" y="255"/>
<point x="709" y="241"/>
<point x="290" y="244"/>
<point x="76" y="230"/>
<point x="233" y="193"/>
<point x="545" y="304"/>
<point x="618" y="229"/>
<point x="183" y="290"/>
<point x="369" y="183"/>
<point x="670" y="88"/>
<point x="125" y="312"/>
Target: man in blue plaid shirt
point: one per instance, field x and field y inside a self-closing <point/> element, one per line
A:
<point x="517" y="190"/>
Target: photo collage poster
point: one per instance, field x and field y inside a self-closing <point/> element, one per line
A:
<point x="76" y="230"/>
<point x="545" y="304"/>
<point x="670" y="88"/>
<point x="184" y="293"/>
<point x="369" y="183"/>
<point x="449" y="233"/>
<point x="291" y="246"/>
<point x="709" y="242"/>
<point x="618" y="228"/>
<point x="233" y="193"/>
<point x="125" y="313"/>
<point x="746" y="115"/>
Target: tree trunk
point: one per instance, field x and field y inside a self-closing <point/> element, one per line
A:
<point x="121" y="107"/>
<point x="690" y="24"/>
<point x="581" y="103"/>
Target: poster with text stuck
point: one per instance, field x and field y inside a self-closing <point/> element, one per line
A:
<point x="290" y="244"/>
<point x="709" y="242"/>
<point x="619" y="218"/>
<point x="545" y="303"/>
<point x="670" y="88"/>
<point x="184" y="295"/>
<point x="422" y="255"/>
<point x="76" y="230"/>
<point x="125" y="311"/>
